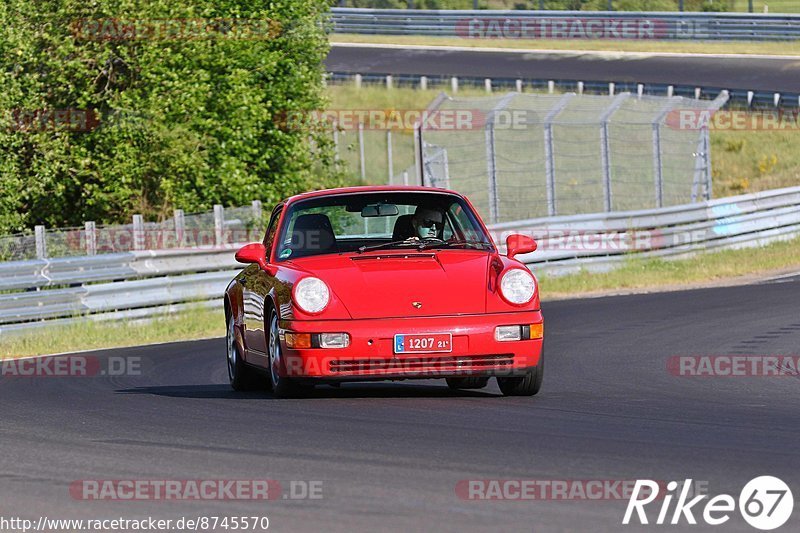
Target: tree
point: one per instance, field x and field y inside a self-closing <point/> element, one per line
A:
<point x="119" y="106"/>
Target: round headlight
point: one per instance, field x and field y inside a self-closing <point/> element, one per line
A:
<point x="311" y="295"/>
<point x="518" y="286"/>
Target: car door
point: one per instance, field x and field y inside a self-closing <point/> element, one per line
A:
<point x="256" y="286"/>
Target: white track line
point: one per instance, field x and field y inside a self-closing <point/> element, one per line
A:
<point x="571" y="53"/>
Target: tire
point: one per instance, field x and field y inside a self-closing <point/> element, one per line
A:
<point x="241" y="377"/>
<point x="467" y="383"/>
<point x="282" y="387"/>
<point x="527" y="385"/>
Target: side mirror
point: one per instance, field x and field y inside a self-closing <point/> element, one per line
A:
<point x="255" y="253"/>
<point x="517" y="244"/>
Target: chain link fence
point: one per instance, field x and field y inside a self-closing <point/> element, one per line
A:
<point x="520" y="156"/>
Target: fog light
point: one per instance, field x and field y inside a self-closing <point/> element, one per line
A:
<point x="507" y="333"/>
<point x="334" y="340"/>
<point x="298" y="340"/>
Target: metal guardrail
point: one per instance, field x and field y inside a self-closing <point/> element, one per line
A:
<point x="147" y="284"/>
<point x="567" y="24"/>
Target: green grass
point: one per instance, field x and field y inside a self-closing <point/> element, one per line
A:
<point x="785" y="48"/>
<point x="197" y="323"/>
<point x="654" y="273"/>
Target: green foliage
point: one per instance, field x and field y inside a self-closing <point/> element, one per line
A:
<point x="184" y="121"/>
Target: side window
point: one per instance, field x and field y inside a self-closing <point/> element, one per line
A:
<point x="269" y="238"/>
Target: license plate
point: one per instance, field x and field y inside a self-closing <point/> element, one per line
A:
<point x="428" y="342"/>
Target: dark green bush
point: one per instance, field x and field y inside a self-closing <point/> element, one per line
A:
<point x="182" y="121"/>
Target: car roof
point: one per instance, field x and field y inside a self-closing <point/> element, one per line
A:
<point x="368" y="189"/>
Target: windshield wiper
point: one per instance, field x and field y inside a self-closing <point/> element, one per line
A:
<point x="450" y="244"/>
<point x="363" y="249"/>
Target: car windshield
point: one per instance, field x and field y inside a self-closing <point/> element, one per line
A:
<point x="363" y="222"/>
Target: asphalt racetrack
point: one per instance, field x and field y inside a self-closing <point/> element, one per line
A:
<point x="390" y="455"/>
<point x="736" y="72"/>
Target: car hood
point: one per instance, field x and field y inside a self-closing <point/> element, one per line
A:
<point x="389" y="285"/>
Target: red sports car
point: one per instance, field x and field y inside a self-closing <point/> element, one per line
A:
<point x="382" y="283"/>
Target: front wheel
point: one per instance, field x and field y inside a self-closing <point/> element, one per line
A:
<point x="282" y="387"/>
<point x="527" y="385"/>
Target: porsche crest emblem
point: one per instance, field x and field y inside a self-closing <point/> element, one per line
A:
<point x="417" y="305"/>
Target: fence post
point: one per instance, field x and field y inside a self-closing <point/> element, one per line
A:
<point x="421" y="179"/>
<point x="658" y="162"/>
<point x="138" y="232"/>
<point x="389" y="161"/>
<point x="549" y="156"/>
<point x="257" y="209"/>
<point x="405" y="177"/>
<point x="41" y="242"/>
<point x="605" y="147"/>
<point x="336" y="140"/>
<point x="446" y="168"/>
<point x="361" y="150"/>
<point x="90" y="233"/>
<point x="491" y="157"/>
<point x="180" y="228"/>
<point x="219" y="225"/>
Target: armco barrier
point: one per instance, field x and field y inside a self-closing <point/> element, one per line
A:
<point x="567" y="24"/>
<point x="144" y="284"/>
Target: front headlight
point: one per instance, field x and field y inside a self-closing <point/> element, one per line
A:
<point x="311" y="295"/>
<point x="518" y="286"/>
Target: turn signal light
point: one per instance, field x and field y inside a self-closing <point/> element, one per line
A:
<point x="298" y="340"/>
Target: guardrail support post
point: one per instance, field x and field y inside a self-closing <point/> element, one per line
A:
<point x="551" y="86"/>
<point x="389" y="82"/>
<point x="138" y="232"/>
<point x="454" y="84"/>
<point x="358" y="81"/>
<point x="580" y="87"/>
<point x="423" y="83"/>
<point x="219" y="225"/>
<point x="361" y="150"/>
<point x="180" y="228"/>
<point x="90" y="234"/>
<point x="519" y="86"/>
<point x="487" y="83"/>
<point x="41" y="242"/>
<point x="605" y="147"/>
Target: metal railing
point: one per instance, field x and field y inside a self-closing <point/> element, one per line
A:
<point x="483" y="24"/>
<point x="149" y="283"/>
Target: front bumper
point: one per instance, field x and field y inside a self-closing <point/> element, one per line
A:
<point x="370" y="355"/>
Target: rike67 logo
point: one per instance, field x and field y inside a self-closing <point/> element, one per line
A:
<point x="765" y="503"/>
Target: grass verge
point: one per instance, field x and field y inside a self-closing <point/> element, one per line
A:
<point x="783" y="48"/>
<point x="703" y="269"/>
<point x="195" y="324"/>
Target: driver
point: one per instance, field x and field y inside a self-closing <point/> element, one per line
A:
<point x="427" y="223"/>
